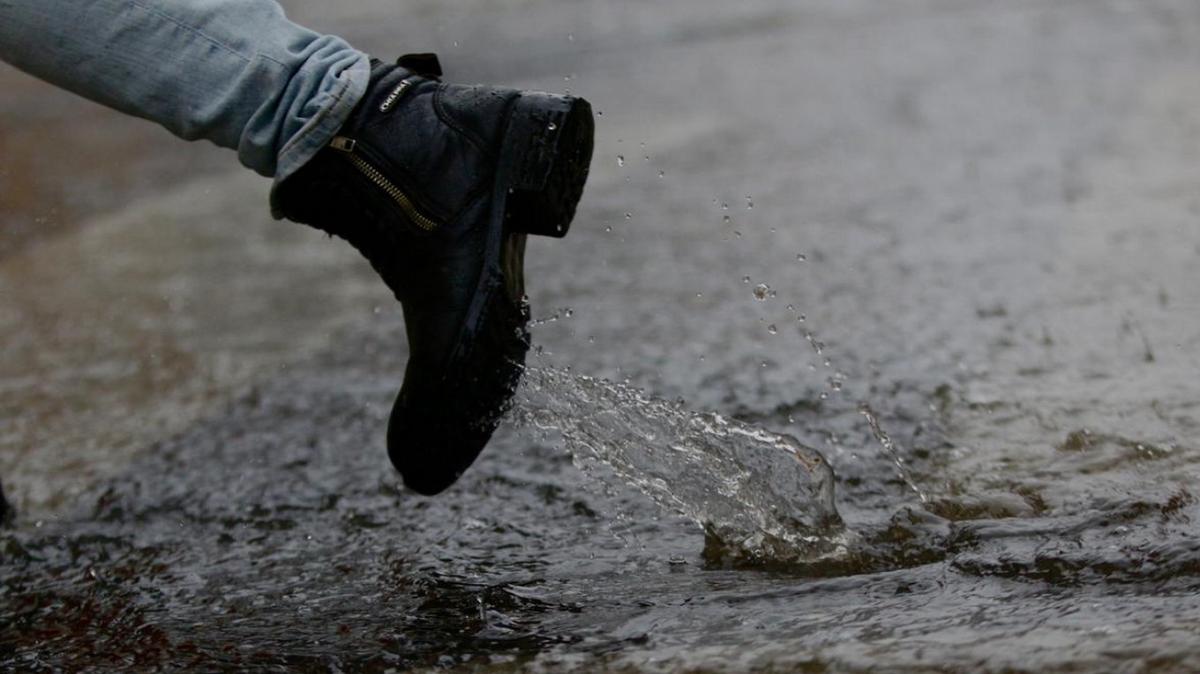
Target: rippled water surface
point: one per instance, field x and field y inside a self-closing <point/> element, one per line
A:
<point x="880" y="355"/>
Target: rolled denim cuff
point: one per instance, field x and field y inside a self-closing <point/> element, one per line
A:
<point x="339" y="102"/>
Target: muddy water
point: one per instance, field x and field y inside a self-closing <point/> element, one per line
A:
<point x="981" y="223"/>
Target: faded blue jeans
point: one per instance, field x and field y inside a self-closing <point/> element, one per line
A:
<point x="235" y="72"/>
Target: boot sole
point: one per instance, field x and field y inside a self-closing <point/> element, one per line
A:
<point x="545" y="158"/>
<point x="549" y="143"/>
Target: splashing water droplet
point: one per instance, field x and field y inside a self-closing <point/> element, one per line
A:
<point x="761" y="292"/>
<point x="889" y="448"/>
<point x="758" y="495"/>
<point x="727" y="219"/>
<point x="773" y="329"/>
<point x="749" y="203"/>
<point x="724" y="206"/>
<point x="620" y="160"/>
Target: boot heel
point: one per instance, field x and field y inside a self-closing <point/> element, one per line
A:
<point x="549" y="145"/>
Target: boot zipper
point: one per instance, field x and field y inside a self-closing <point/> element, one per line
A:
<point x="346" y="145"/>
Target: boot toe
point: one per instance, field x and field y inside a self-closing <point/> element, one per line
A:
<point x="437" y="430"/>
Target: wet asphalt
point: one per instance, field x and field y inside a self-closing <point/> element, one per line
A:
<point x="981" y="220"/>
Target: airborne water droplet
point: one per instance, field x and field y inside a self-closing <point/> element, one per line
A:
<point x="801" y="257"/>
<point x="745" y="279"/>
<point x="551" y="126"/>
<point x="662" y="174"/>
<point x="620" y="160"/>
<point x="727" y="219"/>
<point x="772" y="329"/>
<point x="629" y="216"/>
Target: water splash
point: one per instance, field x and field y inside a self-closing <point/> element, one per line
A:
<point x="763" y="495"/>
<point x="889" y="448"/>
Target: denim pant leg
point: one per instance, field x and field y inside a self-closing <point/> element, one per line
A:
<point x="235" y="72"/>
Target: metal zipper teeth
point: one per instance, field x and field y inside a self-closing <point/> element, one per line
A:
<point x="389" y="188"/>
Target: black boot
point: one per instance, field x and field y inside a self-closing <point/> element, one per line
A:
<point x="437" y="185"/>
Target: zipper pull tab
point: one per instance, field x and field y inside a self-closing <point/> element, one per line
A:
<point x="342" y="143"/>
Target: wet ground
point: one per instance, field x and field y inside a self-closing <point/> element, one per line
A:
<point x="980" y="220"/>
